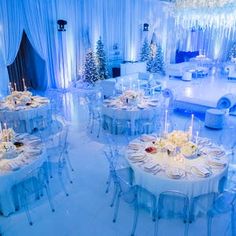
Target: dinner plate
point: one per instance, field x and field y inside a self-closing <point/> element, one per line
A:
<point x="201" y="171"/>
<point x="217" y="164"/>
<point x="175" y="173"/>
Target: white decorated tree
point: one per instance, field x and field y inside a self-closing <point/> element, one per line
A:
<point x="156" y="63"/>
<point x="101" y="60"/>
<point x="232" y="51"/>
<point x="90" y="68"/>
<point x="145" y="51"/>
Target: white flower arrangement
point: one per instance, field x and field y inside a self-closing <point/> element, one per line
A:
<point x="188" y="149"/>
<point x="19" y="98"/>
<point x="178" y="137"/>
<point x="131" y="95"/>
<point x="7" y="135"/>
<point x="177" y="142"/>
<point x="7" y="147"/>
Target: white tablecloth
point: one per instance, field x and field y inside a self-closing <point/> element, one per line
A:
<point x="190" y="184"/>
<point x="131" y="113"/>
<point x="26" y="120"/>
<point x="12" y="171"/>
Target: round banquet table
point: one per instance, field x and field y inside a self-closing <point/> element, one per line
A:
<point x="174" y="174"/>
<point x="29" y="157"/>
<point x="113" y="110"/>
<point x="27" y="118"/>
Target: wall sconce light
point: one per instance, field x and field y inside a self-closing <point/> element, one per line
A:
<point x="61" y="25"/>
<point x="145" y="26"/>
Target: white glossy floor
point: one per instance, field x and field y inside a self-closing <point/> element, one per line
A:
<point x="86" y="210"/>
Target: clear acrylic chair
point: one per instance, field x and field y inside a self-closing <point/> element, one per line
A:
<point x="129" y="193"/>
<point x="58" y="155"/>
<point x="172" y="204"/>
<point x="148" y="126"/>
<point x="33" y="185"/>
<point x="223" y="204"/>
<point x="200" y="205"/>
<point x="95" y="118"/>
<point x="116" y="163"/>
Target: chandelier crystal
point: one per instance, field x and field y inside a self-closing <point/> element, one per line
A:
<point x="205" y="13"/>
<point x="196" y="4"/>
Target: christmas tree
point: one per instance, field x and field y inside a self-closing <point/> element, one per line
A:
<point x="90" y="68"/>
<point x="145" y="51"/>
<point x="101" y="61"/>
<point x="232" y="51"/>
<point x="156" y="62"/>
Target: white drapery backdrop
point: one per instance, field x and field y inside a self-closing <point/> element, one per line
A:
<point x="10" y="37"/>
<point x="117" y="22"/>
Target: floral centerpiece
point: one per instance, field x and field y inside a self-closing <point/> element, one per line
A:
<point x="177" y="142"/>
<point x="131" y="96"/>
<point x="7" y="135"/>
<point x="8" y="149"/>
<point x="19" y="98"/>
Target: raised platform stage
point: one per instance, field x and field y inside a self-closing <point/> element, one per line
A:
<point x="199" y="94"/>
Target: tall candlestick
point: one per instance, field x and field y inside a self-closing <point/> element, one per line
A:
<point x="9" y="88"/>
<point x="197" y="133"/>
<point x="23" y="80"/>
<point x="192" y="119"/>
<point x="165" y="122"/>
<point x="15" y="88"/>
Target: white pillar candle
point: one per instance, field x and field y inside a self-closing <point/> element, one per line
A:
<point x="5" y="125"/>
<point x="15" y="88"/>
<point x="197" y="133"/>
<point x="9" y="88"/>
<point x="165" y="122"/>
<point x="24" y="86"/>
<point x="191" y="125"/>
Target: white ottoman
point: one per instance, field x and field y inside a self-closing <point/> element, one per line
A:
<point x="187" y="76"/>
<point x="215" y="118"/>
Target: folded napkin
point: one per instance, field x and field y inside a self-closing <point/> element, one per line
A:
<point x="141" y="106"/>
<point x="174" y="173"/>
<point x="137" y="156"/>
<point x="151" y="165"/>
<point x="152" y="104"/>
<point x="217" y="152"/>
<point x="134" y="146"/>
<point x="147" y="138"/>
<point x="200" y="171"/>
<point x="217" y="163"/>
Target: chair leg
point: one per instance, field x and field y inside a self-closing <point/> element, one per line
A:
<point x="156" y="226"/>
<point x="209" y="222"/>
<point x="135" y="219"/>
<point x="62" y="182"/>
<point x="108" y="183"/>
<point x="116" y="207"/>
<point x="114" y="196"/>
<point x="69" y="161"/>
<point x="92" y="125"/>
<point x="186" y="227"/>
<point x="154" y="209"/>
<point x="49" y="197"/>
<point x="65" y="166"/>
<point x="25" y="203"/>
<point x="233" y="232"/>
<point x="99" y="128"/>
